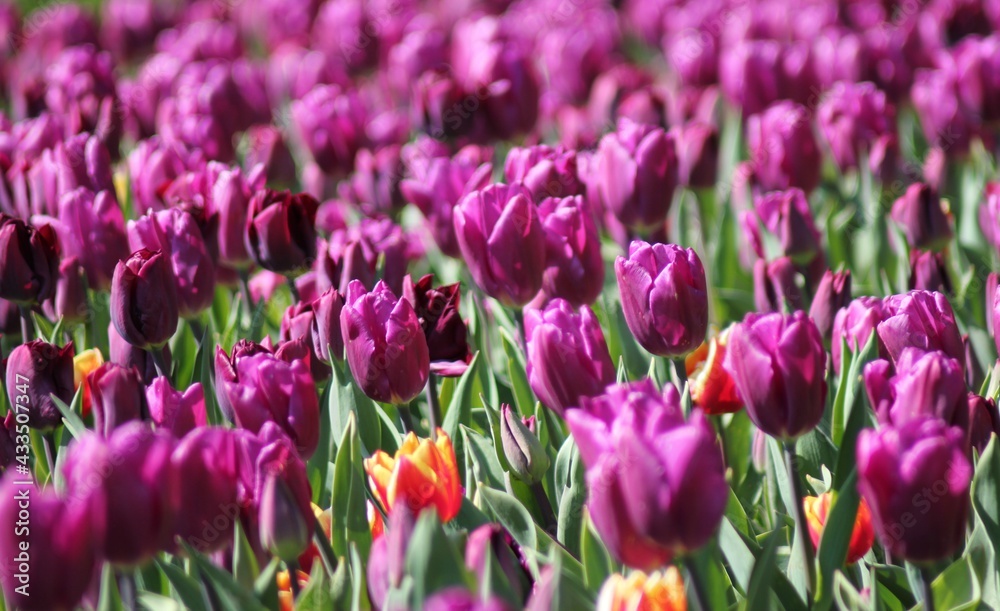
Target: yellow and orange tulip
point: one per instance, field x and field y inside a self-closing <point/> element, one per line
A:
<point x="83" y="365"/>
<point x="423" y="473"/>
<point x="862" y="537"/>
<point x="657" y="591"/>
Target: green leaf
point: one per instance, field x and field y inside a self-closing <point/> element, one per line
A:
<point x="318" y="595"/>
<point x="956" y="588"/>
<point x="704" y="567"/>
<point x="524" y="399"/>
<point x="158" y="602"/>
<point x="485" y="464"/>
<point x="350" y="518"/>
<point x="986" y="491"/>
<point x="571" y="501"/>
<point x="187" y="588"/>
<point x="70" y="413"/>
<point x="265" y="588"/>
<point x="846" y="595"/>
<point x="231" y="594"/>
<point x="245" y="568"/>
<point x="759" y="594"/>
<point x="460" y="409"/>
<point x="432" y="560"/>
<point x="598" y="564"/>
<point x="109" y="599"/>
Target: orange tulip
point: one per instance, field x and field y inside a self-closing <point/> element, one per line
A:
<point x="712" y="389"/>
<point x="84" y="364"/>
<point x="658" y="591"/>
<point x="286" y="599"/>
<point x="422" y="474"/>
<point x="863" y="535"/>
<point x="375" y="522"/>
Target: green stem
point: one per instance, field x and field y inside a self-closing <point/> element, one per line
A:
<point x="293" y="579"/>
<point x="433" y="405"/>
<point x="127" y="589"/>
<point x="697" y="583"/>
<point x="406" y="417"/>
<point x="160" y="361"/>
<point x="799" y="513"/>
<point x="926" y="579"/>
<point x="294" y="290"/>
<point x="27" y="327"/>
<point x="244" y="283"/>
<point x="551" y="524"/>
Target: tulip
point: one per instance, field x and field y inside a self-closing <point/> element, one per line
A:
<point x="782" y="148"/>
<point x="385" y="344"/>
<point x="852" y="117"/>
<point x="283" y="531"/>
<point x="80" y="86"/>
<point x="979" y="420"/>
<point x="922" y="218"/>
<point x="70" y="300"/>
<point x="502" y="242"/>
<point x="29" y="261"/>
<point x="754" y="74"/>
<point x="637" y="174"/>
<point x="152" y="164"/>
<point x="342" y="260"/>
<point x="574" y="267"/>
<point x="921" y="319"/>
<point x="422" y="474"/>
<point x="491" y="547"/>
<point x="173" y="410"/>
<point x="459" y="599"/>
<point x="656" y="483"/>
<point x="268" y="149"/>
<point x="144" y="302"/>
<point x="117" y="395"/>
<point x="711" y="387"/>
<point x="855" y="323"/>
<point x="664" y="297"/>
<point x="989" y="214"/>
<point x="568" y="358"/>
<point x="929" y="272"/>
<point x="127" y="479"/>
<point x="862" y="536"/>
<point x="328" y="341"/>
<point x="661" y="590"/>
<point x="257" y="386"/>
<point x="775" y="288"/>
<point x="61" y="544"/>
<point x="925" y="384"/>
<point x="329" y="123"/>
<point x="525" y="454"/>
<point x="779" y="366"/>
<point x="374" y="184"/>
<point x="832" y="295"/>
<point x="916" y="479"/>
<point x="298" y="322"/>
<point x="205" y="462"/>
<point x="387" y="561"/>
<point x="787" y="216"/>
<point x="36" y="371"/>
<point x="544" y="171"/>
<point x="280" y="231"/>
<point x="945" y="120"/>
<point x="444" y="329"/>
<point x="128" y="356"/>
<point x="92" y="229"/>
<point x="84" y="364"/>
<point x="697" y="154"/>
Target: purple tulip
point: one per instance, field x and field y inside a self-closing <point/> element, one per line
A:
<point x="342" y="260"/>
<point x="206" y="465"/>
<point x="280" y="231"/>
<point x="697" y="154"/>
<point x="387" y="561"/>
<point x="855" y="324"/>
<point x="921" y="319"/>
<point x="989" y="214"/>
<point x="656" y="486"/>
<point x="128" y="27"/>
<point x="787" y="216"/>
<point x="144" y="303"/>
<point x="374" y="184"/>
<point x="82" y="161"/>
<point x="922" y="218"/>
<point x="330" y="124"/>
<point x="778" y="364"/>
<point x="929" y="272"/>
<point x="117" y="395"/>
<point x="70" y="300"/>
<point x="574" y="267"/>
<point x="945" y="120"/>
<point x="783" y="149"/>
<point x="979" y="419"/>
<point x="92" y="229"/>
<point x="328" y="341"/>
<point x="266" y="147"/>
<point x="385" y="344"/>
<point x="925" y="384"/>
<point x="502" y="241"/>
<point x="491" y="543"/>
<point x="298" y="322"/>
<point x="459" y="599"/>
<point x="29" y="261"/>
<point x="284" y="531"/>
<point x="128" y="481"/>
<point x="774" y="286"/>
<point x="152" y="165"/>
<point x="129" y="356"/>
<point x="568" y="358"/>
<point x="755" y="74"/>
<point x="637" y="174"/>
<point x="173" y="410"/>
<point x="852" y="117"/>
<point x="36" y="371"/>
<point x="59" y="548"/>
<point x="977" y="67"/>
<point x="257" y="386"/>
<point x="916" y="478"/>
<point x="80" y="86"/>
<point x="544" y="171"/>
<point x="832" y="295"/>
<point x="441" y="321"/>
<point x="664" y="297"/>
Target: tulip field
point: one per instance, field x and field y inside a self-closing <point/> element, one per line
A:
<point x="456" y="305"/>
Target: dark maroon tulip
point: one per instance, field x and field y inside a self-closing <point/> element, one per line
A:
<point x="60" y="547"/>
<point x="774" y="286"/>
<point x="922" y="218"/>
<point x="281" y="232"/>
<point x="778" y="364"/>
<point x="328" y="342"/>
<point x="284" y="531"/>
<point x="924" y="384"/>
<point x="855" y="324"/>
<point x="29" y="261"/>
<point x="979" y="420"/>
<point x="129" y="356"/>
<point x="206" y="466"/>
<point x="144" y="304"/>
<point x="915" y="477"/>
<point x="783" y="149"/>
<point x="697" y="154"/>
<point x="117" y="395"/>
<point x="444" y="329"/>
<point x="929" y="272"/>
<point x="36" y="371"/>
<point x="921" y="319"/>
<point x="544" y="171"/>
<point x="173" y="410"/>
<point x="8" y="438"/>
<point x="298" y="322"/>
<point x="128" y="480"/>
<point x="574" y="268"/>
<point x="832" y="294"/>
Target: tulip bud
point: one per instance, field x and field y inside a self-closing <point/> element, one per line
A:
<point x="979" y="420"/>
<point x="205" y="462"/>
<point x="855" y="324"/>
<point x="266" y="147"/>
<point x="328" y="341"/>
<point x="664" y="297"/>
<point x="283" y="531"/>
<point x="422" y="474"/>
<point x="946" y="122"/>
<point x="36" y="371"/>
<point x="832" y="295"/>
<point x="574" y="268"/>
<point x="525" y="454"/>
<point x="387" y="562"/>
<point x="929" y="272"/>
<point x="502" y="241"/>
<point x="712" y="388"/>
<point x="774" y="286"/>
<point x="117" y="395"/>
<point x="144" y="303"/>
<point x="783" y="149"/>
<point x="70" y="300"/>
<point x="280" y="231"/>
<point x="490" y="544"/>
<point x="698" y="154"/>
<point x="329" y="123"/>
<point x="784" y="389"/>
<point x="568" y="358"/>
<point x="921" y="319"/>
<point x="444" y="329"/>
<point x="297" y="323"/>
<point x="916" y="479"/>
<point x="817" y="509"/>
<point x="921" y="215"/>
<point x="85" y="364"/>
<point x="662" y="590"/>
<point x="787" y="216"/>
<point x="173" y="410"/>
<point x="29" y="261"/>
<point x="637" y="174"/>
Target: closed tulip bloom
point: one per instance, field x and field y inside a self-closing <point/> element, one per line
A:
<point x="36" y="371"/>
<point x="281" y="231"/>
<point x="225" y="370"/>
<point x="989" y="214"/>
<point x="422" y="474"/>
<point x="384" y="343"/>
<point x="916" y="479"/>
<point x="492" y="546"/>
<point x="444" y="329"/>
<point x="174" y="233"/>
<point x="342" y="259"/>
<point x="525" y="454"/>
<point x="979" y="420"/>
<point x="59" y="547"/>
<point x="659" y="591"/>
<point x="929" y="272"/>
<point x="783" y="149"/>
<point x="298" y="323"/>
<point x="206" y="466"/>
<point x="637" y="174"/>
<point x="574" y="267"/>
<point x="855" y="324"/>
<point x="775" y="286"/>
<point x="85" y="364"/>
<point x="544" y="171"/>
<point x="817" y="509"/>
<point x="330" y="123"/>
<point x="779" y="366"/>
<point x="832" y="295"/>
<point x="267" y="148"/>
<point x="697" y="154"/>
<point x="284" y="531"/>
<point x="712" y="388"/>
<point x="134" y="493"/>
<point x="173" y="410"/>
<point x="328" y="341"/>
<point x="945" y="120"/>
<point x="852" y="117"/>
<point x="922" y="217"/>
<point x="29" y="261"/>
<point x="144" y="303"/>
<point x="787" y="216"/>
<point x="664" y="297"/>
<point x="568" y="357"/>
<point x="924" y="384"/>
<point x="70" y="300"/>
<point x="502" y="241"/>
<point x="117" y="395"/>
<point x="92" y="229"/>
<point x="656" y="484"/>
<point x="921" y="319"/>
